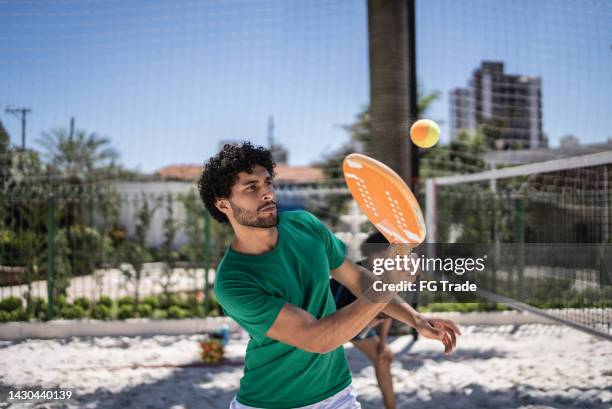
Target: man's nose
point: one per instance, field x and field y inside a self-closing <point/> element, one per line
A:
<point x="268" y="193"/>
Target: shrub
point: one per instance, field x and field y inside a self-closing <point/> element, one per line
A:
<point x="159" y="314"/>
<point x="171" y="300"/>
<point x="20" y="314"/>
<point x="145" y="310"/>
<point x="72" y="312"/>
<point x="101" y="312"/>
<point x="38" y="308"/>
<point x="89" y="249"/>
<point x="106" y="301"/>
<point x="125" y="311"/>
<point x="10" y="304"/>
<point x="214" y="304"/>
<point x="127" y="300"/>
<point x="176" y="312"/>
<point x="83" y="302"/>
<point x="60" y="301"/>
<point x="152" y="301"/>
<point x="5" y="316"/>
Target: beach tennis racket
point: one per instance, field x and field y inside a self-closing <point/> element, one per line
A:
<point x="385" y="199"/>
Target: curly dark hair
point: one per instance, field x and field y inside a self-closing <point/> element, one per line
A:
<point x="221" y="172"/>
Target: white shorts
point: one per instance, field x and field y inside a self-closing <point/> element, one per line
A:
<point x="345" y="399"/>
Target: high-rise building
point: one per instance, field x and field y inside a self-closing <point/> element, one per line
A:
<point x="461" y="109"/>
<point x="506" y="107"/>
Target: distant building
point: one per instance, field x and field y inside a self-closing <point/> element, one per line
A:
<point x="461" y="111"/>
<point x="509" y="106"/>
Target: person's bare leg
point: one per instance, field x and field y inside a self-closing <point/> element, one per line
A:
<point x="383" y="369"/>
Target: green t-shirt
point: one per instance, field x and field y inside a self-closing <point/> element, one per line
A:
<point x="252" y="289"/>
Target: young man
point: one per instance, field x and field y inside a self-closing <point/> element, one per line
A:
<point x="274" y="281"/>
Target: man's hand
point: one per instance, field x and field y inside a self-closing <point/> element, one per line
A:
<point x="443" y="330"/>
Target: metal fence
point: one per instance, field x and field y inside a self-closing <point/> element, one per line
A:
<point x="546" y="229"/>
<point x="93" y="250"/>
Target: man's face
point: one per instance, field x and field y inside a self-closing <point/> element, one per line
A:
<point x="252" y="202"/>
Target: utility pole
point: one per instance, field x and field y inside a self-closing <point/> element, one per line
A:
<point x="71" y="127"/>
<point x="20" y="112"/>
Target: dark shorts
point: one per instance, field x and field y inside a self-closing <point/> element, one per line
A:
<point x="372" y="332"/>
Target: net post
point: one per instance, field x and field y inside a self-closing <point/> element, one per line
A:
<point x="520" y="239"/>
<point x="50" y="256"/>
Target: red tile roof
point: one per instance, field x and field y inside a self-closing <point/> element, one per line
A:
<point x="284" y="173"/>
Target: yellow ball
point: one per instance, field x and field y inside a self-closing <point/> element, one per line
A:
<point x="425" y="133"/>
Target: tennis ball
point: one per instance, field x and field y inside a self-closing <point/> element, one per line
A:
<point x="425" y="133"/>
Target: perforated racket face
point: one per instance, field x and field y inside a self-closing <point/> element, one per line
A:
<point x="385" y="199"/>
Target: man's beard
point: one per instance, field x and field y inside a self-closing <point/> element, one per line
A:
<point x="252" y="218"/>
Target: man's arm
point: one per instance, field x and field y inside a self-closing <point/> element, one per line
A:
<point x="297" y="327"/>
<point x="352" y="276"/>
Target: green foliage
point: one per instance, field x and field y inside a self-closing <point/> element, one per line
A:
<point x="83" y="302"/>
<point x="176" y="312"/>
<point x="145" y="310"/>
<point x="161" y="306"/>
<point x="125" y="311"/>
<point x="462" y="155"/>
<point x="127" y="300"/>
<point x="132" y="257"/>
<point x="89" y="249"/>
<point x="159" y="314"/>
<point x="10" y="304"/>
<point x="19" y="314"/>
<point x="38" y="308"/>
<point x="168" y="253"/>
<point x="72" y="311"/>
<point x="193" y="226"/>
<point x="106" y="301"/>
<point x="78" y="155"/>
<point x="151" y="300"/>
<point x="101" y="312"/>
<point x="5" y="157"/>
<point x="62" y="270"/>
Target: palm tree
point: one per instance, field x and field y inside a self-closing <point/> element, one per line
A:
<point x="390" y="82"/>
<point x="79" y="155"/>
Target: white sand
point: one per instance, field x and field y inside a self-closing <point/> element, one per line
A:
<point x="531" y="366"/>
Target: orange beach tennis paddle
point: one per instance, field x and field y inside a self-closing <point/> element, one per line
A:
<point x="385" y="199"/>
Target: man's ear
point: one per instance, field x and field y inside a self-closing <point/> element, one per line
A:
<point x="223" y="206"/>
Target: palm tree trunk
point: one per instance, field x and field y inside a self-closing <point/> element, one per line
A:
<point x="390" y="83"/>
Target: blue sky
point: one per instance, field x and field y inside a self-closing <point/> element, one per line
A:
<point x="166" y="80"/>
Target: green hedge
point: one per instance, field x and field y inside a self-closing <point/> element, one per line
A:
<point x="157" y="307"/>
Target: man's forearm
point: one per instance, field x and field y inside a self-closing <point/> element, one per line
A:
<point x="402" y="311"/>
<point x="336" y="329"/>
<point x="398" y="309"/>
